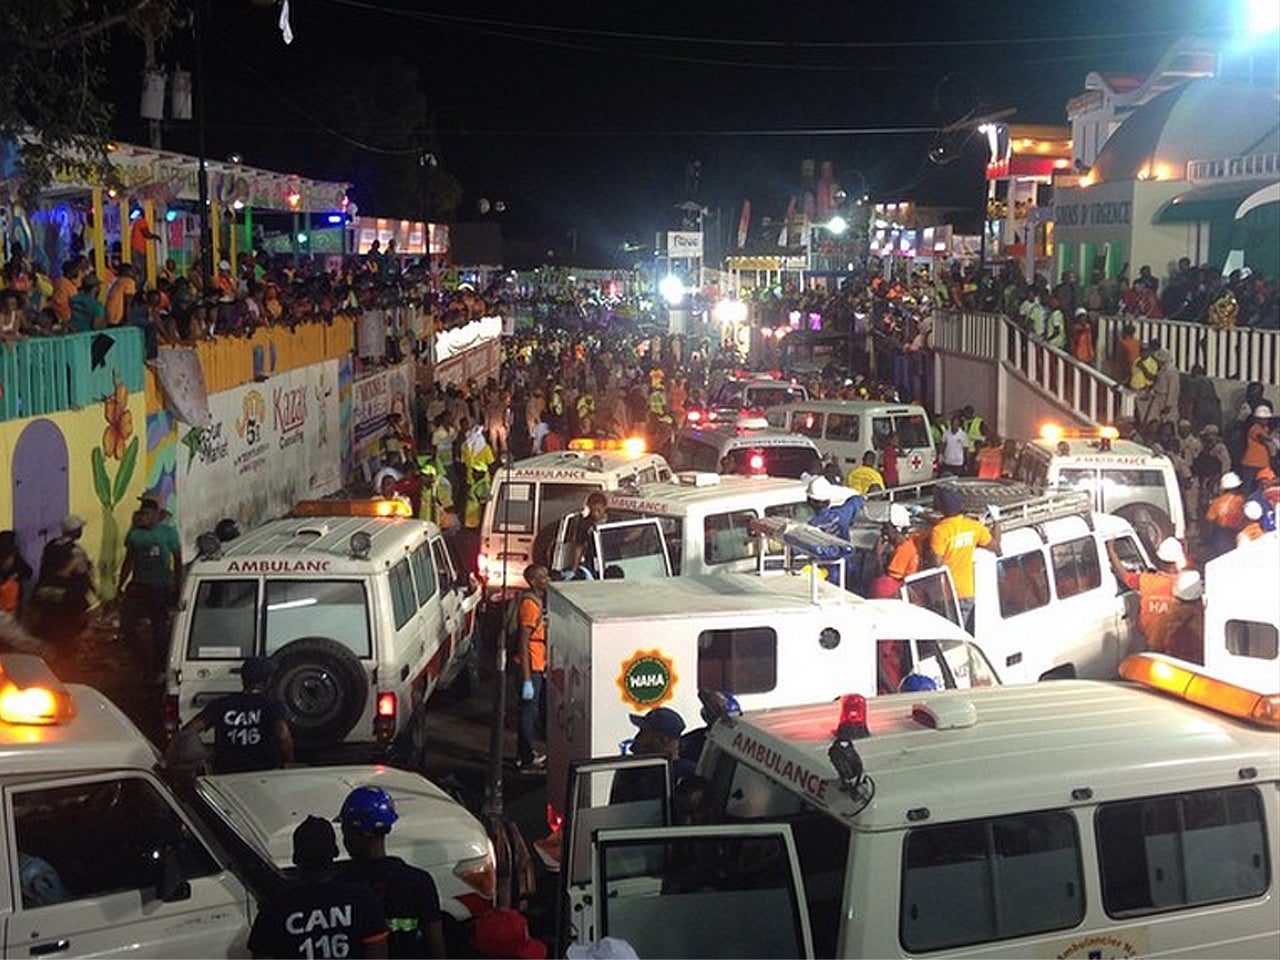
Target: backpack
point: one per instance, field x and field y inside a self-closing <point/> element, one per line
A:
<point x="511" y="616"/>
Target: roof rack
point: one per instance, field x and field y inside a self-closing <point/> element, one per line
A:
<point x="1051" y="506"/>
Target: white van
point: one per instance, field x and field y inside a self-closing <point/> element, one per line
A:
<point x="748" y="447"/>
<point x="1121" y="476"/>
<point x="847" y="429"/>
<point x="1049" y="605"/>
<point x="753" y="392"/>
<point x="1074" y="819"/>
<point x="532" y="496"/>
<point x="705" y="520"/>
<point x="620" y="647"/>
<point x="1242" y="613"/>
<point x="363" y="618"/>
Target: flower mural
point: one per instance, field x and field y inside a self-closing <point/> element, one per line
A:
<point x="118" y="444"/>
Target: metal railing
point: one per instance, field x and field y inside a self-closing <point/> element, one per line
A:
<point x="1094" y="396"/>
<point x="45" y="375"/>
<point x="1258" y="165"/>
<point x="1238" y="353"/>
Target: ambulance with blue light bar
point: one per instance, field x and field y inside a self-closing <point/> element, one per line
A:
<point x="363" y="614"/>
<point x="1073" y="819"/>
<point x="1121" y="476"/>
<point x="102" y="858"/>
<point x="530" y="497"/>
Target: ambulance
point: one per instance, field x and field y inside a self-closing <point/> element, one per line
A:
<point x="747" y="446"/>
<point x="705" y="521"/>
<point x="1075" y="820"/>
<point x="530" y="498"/>
<point x="756" y="391"/>
<point x="847" y="429"/>
<point x="1121" y="477"/>
<point x="363" y="614"/>
<point x="1242" y="613"/>
<point x="620" y="647"/>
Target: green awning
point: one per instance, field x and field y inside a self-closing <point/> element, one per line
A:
<point x="1210" y="201"/>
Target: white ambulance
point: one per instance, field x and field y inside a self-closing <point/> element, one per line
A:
<point x="531" y="497"/>
<point x="100" y="857"/>
<point x="847" y="429"/>
<point x="362" y="616"/>
<point x="705" y="519"/>
<point x="1074" y="820"/>
<point x="747" y="446"/>
<point x="1121" y="476"/>
<point x="620" y="647"/>
<point x="1242" y="613"/>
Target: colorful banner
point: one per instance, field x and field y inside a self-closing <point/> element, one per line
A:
<point x="373" y="399"/>
<point x="268" y="445"/>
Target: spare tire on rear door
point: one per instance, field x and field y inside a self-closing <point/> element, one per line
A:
<point x="323" y="688"/>
<point x="978" y="494"/>
<point x="1150" y="523"/>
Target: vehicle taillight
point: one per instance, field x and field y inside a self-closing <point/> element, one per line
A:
<point x="384" y="720"/>
<point x="693" y="416"/>
<point x="755" y="463"/>
<point x="554" y="818"/>
<point x="853" y="715"/>
<point x="387" y="705"/>
<point x="482" y="566"/>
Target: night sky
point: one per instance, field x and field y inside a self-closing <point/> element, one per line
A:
<point x="582" y="118"/>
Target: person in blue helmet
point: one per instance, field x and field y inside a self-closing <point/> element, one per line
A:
<point x="408" y="895"/>
<point x="916" y="683"/>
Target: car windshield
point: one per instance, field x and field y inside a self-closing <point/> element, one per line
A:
<point x="791" y="462"/>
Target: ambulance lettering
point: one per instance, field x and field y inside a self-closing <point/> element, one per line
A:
<point x="278" y="566"/>
<point x="788" y="771"/>
<point x="561" y="474"/>
<point x="639" y="506"/>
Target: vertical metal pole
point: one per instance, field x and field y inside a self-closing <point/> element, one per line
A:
<point x="206" y="243"/>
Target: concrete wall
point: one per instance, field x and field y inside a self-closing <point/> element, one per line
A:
<point x="964" y="381"/>
<point x="1008" y="402"/>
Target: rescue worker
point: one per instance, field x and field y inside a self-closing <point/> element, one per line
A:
<point x="833" y="520"/>
<point x="531" y="658"/>
<point x="1225" y="516"/>
<point x="584" y="544"/>
<point x="555" y="403"/>
<point x="1256" y="455"/>
<point x="1179" y="631"/>
<point x="1252" y="529"/>
<point x="1056" y="326"/>
<point x="479" y="491"/>
<point x="1155" y="587"/>
<point x="905" y="548"/>
<point x="250" y="730"/>
<point x="953" y="541"/>
<point x="990" y="460"/>
<point x="408" y="896"/>
<point x="865" y="477"/>
<point x="436" y="499"/>
<point x="319" y="915"/>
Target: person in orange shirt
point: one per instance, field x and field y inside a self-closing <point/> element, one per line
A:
<point x="123" y="289"/>
<point x="953" y="541"/>
<point x="990" y="459"/>
<point x="532" y="659"/>
<point x="1179" y="631"/>
<point x="1252" y="529"/>
<point x="1225" y="515"/>
<point x="66" y="287"/>
<point x="1155" y="587"/>
<point x="1257" y="455"/>
<point x="1128" y="349"/>
<point x="903" y="545"/>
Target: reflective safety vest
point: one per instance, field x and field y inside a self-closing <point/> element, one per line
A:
<point x="478" y="493"/>
<point x="586" y="404"/>
<point x="437" y="500"/>
<point x="657" y="400"/>
<point x="973" y="429"/>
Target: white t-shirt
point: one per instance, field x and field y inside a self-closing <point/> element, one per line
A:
<point x="954" y="445"/>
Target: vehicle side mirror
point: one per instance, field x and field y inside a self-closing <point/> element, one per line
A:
<point x="171" y="885"/>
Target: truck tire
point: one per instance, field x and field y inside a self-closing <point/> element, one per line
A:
<point x="1149" y="522"/>
<point x="976" y="495"/>
<point x="323" y="688"/>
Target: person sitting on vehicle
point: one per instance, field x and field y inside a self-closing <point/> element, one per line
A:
<point x="1155" y="588"/>
<point x="905" y="549"/>
<point x="865" y="477"/>
<point x="250" y="728"/>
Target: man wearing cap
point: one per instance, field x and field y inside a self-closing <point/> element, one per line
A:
<point x="1225" y="516"/>
<point x="149" y="578"/>
<point x="319" y="915"/>
<point x="250" y="730"/>
<point x="1155" y="588"/>
<point x="407" y="895"/>
<point x="658" y="736"/>
<point x="953" y="540"/>
<point x="69" y="543"/>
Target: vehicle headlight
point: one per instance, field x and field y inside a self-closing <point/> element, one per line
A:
<point x="478" y="873"/>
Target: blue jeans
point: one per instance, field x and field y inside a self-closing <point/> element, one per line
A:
<point x="529" y="719"/>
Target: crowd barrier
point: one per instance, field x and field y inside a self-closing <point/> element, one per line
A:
<point x="45" y="375"/>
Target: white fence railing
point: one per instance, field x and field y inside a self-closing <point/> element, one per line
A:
<point x="1258" y="165"/>
<point x="1092" y="394"/>
<point x="1240" y="353"/>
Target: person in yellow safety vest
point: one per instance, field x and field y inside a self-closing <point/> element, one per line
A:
<point x="586" y="406"/>
<point x="476" y="451"/>
<point x="478" y="493"/>
<point x="657" y="400"/>
<point x="437" y="498"/>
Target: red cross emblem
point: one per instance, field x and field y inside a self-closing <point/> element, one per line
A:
<point x="916" y="461"/>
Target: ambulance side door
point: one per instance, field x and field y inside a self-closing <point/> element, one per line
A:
<point x="1129" y="603"/>
<point x="934" y="590"/>
<point x="588" y="810"/>
<point x="107" y="864"/>
<point x="631" y="549"/>
<point x="701" y="891"/>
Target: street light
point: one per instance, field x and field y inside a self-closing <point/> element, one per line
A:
<point x="671" y="288"/>
<point x="838" y="225"/>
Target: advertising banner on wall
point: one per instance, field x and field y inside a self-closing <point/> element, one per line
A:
<point x="374" y="398"/>
<point x="268" y="445"/>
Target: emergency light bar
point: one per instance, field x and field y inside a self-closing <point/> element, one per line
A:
<point x="632" y="445"/>
<point x="31" y="694"/>
<point x="352" y="508"/>
<point x="1055" y="431"/>
<point x="1182" y="679"/>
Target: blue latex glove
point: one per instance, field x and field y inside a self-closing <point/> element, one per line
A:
<point x="526" y="690"/>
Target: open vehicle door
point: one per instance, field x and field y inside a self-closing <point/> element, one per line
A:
<point x="934" y="590"/>
<point x="632" y="549"/>
<point x="1128" y="602"/>
<point x="731" y="890"/>
<point x="588" y="810"/>
<point x="562" y="548"/>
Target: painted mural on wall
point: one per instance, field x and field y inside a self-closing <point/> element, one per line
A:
<point x="84" y="462"/>
<point x="268" y="445"/>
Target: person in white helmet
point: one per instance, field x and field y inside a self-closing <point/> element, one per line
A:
<point x="1252" y="528"/>
<point x="1155" y="587"/>
<point x="1179" y="631"/>
<point x="833" y="520"/>
<point x="1224" y="518"/>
